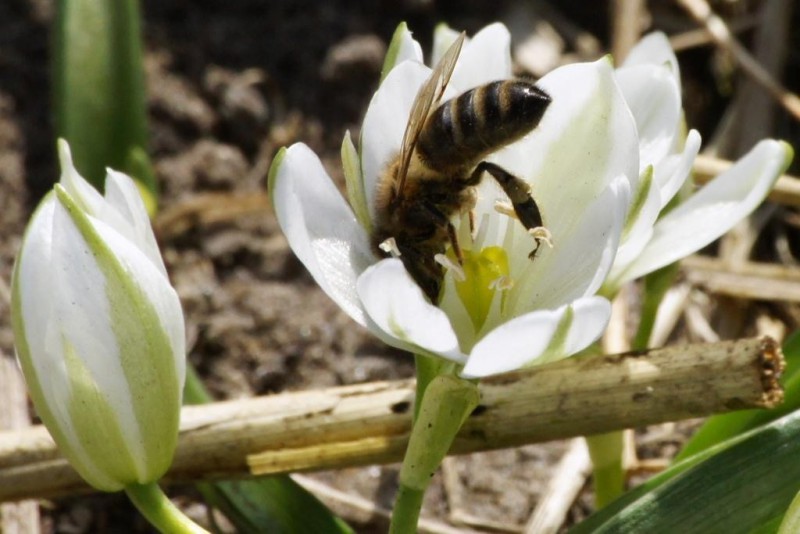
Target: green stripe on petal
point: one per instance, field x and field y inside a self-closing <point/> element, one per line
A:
<point x="145" y="351"/>
<point x="66" y="444"/>
<point x="273" y="172"/>
<point x="401" y="47"/>
<point x="351" y="163"/>
<point x="97" y="426"/>
<point x="557" y="348"/>
<point x="643" y="192"/>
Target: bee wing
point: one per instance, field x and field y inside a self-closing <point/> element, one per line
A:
<point x="429" y="94"/>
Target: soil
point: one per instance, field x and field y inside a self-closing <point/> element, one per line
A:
<point x="228" y="84"/>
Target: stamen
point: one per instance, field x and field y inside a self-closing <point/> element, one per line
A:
<point x="450" y="265"/>
<point x="480" y="234"/>
<point x="505" y="208"/>
<point x="502" y="283"/>
<point x="389" y="246"/>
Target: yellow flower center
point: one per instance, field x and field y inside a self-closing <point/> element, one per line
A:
<point x="485" y="272"/>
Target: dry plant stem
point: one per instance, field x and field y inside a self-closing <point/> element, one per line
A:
<point x="626" y="23"/>
<point x="209" y="208"/>
<point x="701" y="12"/>
<point x="20" y="517"/>
<point x="702" y="37"/>
<point x="756" y="116"/>
<point x="565" y="484"/>
<point x="369" y="423"/>
<point x="749" y="280"/>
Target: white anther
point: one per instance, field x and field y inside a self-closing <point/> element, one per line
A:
<point x="389" y="246"/>
<point x="505" y="208"/>
<point x="502" y="283"/>
<point x="540" y="233"/>
<point x="458" y="272"/>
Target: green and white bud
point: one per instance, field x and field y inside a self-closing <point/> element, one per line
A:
<point x="99" y="330"/>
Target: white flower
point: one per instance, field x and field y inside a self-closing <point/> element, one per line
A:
<point x="581" y="163"/>
<point x="99" y="330"/>
<point x="650" y="81"/>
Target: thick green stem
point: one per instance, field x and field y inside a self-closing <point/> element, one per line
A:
<point x="154" y="505"/>
<point x="428" y="368"/>
<point x="446" y="403"/>
<point x="407" y="507"/>
<point x="609" y="476"/>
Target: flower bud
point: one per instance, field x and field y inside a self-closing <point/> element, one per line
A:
<point x="99" y="331"/>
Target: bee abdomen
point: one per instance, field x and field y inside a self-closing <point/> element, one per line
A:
<point x="464" y="130"/>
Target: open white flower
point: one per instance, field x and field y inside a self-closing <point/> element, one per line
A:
<point x="581" y="163"/>
<point x="650" y="80"/>
<point x="99" y="330"/>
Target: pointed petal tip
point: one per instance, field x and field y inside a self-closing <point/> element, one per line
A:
<point x="788" y="154"/>
<point x="402" y="47"/>
<point x="64" y="155"/>
<point x="272" y="174"/>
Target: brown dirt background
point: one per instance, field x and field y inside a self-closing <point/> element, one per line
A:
<point x="228" y="84"/>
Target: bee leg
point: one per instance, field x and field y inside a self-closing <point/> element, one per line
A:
<point x="428" y="211"/>
<point x="451" y="232"/>
<point x="519" y="193"/>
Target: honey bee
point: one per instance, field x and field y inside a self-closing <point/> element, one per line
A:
<point x="440" y="162"/>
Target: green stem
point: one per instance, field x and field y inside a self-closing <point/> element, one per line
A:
<point x="656" y="285"/>
<point x="609" y="476"/>
<point x="154" y="505"/>
<point x="406" y="510"/>
<point x="428" y="368"/>
<point x="446" y="403"/>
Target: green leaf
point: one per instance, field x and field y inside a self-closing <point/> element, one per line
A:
<point x="99" y="100"/>
<point x="721" y="427"/>
<point x="275" y="504"/>
<point x="742" y="485"/>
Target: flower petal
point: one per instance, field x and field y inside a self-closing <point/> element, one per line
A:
<point x="539" y="335"/>
<point x="443" y="37"/>
<point x="653" y="49"/>
<point x="578" y="263"/>
<point x="586" y="139"/>
<point x="385" y="123"/>
<point x="403" y="47"/>
<point x="485" y="58"/>
<point x="124" y="196"/>
<point x="121" y="327"/>
<point x="396" y="304"/>
<point x="667" y="179"/>
<point x="320" y="226"/>
<point x="714" y="209"/>
<point x="671" y="173"/>
<point x="655" y="101"/>
<point x="82" y="191"/>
